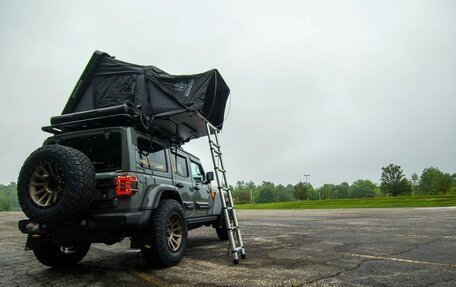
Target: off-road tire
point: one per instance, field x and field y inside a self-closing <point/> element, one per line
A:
<point x="222" y="233"/>
<point x="78" y="175"/>
<point x="220" y="228"/>
<point x="157" y="253"/>
<point x="50" y="254"/>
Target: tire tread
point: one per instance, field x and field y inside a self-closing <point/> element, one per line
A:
<point x="158" y="255"/>
<point x="79" y="174"/>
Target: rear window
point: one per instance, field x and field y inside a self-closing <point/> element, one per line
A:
<point x="152" y="156"/>
<point x="103" y="150"/>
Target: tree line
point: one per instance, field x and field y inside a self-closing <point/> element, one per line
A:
<point x="393" y="182"/>
<point x="8" y="197"/>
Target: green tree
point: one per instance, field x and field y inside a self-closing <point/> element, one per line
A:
<point x="313" y="194"/>
<point x="240" y="192"/>
<point x="8" y="197"/>
<point x="302" y="190"/>
<point x="433" y="181"/>
<point x="327" y="190"/>
<point x="5" y="202"/>
<point x="393" y="181"/>
<point x="453" y="183"/>
<point x="283" y="194"/>
<point x="362" y="188"/>
<point x="252" y="190"/>
<point x="267" y="192"/>
<point x="290" y="189"/>
<point x="266" y="195"/>
<point x="243" y="191"/>
<point x="342" y="190"/>
<point x="414" y="181"/>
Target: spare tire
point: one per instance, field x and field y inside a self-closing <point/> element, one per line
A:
<point x="56" y="184"/>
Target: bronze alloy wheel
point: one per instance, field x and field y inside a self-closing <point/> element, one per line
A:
<point x="167" y="233"/>
<point x="56" y="184"/>
<point x="46" y="184"/>
<point x="174" y="233"/>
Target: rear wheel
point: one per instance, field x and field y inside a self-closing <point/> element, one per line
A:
<point x="167" y="234"/>
<point x="61" y="255"/>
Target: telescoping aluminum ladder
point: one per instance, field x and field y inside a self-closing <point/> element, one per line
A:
<point x="229" y="213"/>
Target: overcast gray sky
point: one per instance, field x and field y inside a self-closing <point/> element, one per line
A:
<point x="335" y="89"/>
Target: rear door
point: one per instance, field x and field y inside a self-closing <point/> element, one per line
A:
<point x="183" y="181"/>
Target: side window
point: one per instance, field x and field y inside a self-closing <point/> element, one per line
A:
<point x="179" y="165"/>
<point x="197" y="172"/>
<point x="152" y="157"/>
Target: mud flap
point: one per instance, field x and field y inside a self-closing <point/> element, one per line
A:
<point x="33" y="242"/>
<point x="141" y="240"/>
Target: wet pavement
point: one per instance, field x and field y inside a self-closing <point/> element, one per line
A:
<point x="348" y="247"/>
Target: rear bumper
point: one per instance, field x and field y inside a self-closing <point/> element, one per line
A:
<point x="130" y="220"/>
<point x="99" y="222"/>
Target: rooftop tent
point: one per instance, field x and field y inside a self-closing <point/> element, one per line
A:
<point x="174" y="102"/>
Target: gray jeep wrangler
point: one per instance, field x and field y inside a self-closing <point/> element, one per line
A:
<point x="114" y="167"/>
<point x="164" y="194"/>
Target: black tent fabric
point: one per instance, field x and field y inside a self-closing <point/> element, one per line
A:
<point x="108" y="82"/>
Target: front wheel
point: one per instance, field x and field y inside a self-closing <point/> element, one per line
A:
<point x="222" y="233"/>
<point x="220" y="228"/>
<point x="61" y="255"/>
<point x="167" y="233"/>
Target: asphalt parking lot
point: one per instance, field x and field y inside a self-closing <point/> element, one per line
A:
<point x="349" y="247"/>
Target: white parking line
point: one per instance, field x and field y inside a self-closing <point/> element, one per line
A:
<point x="432" y="208"/>
<point x="402" y="260"/>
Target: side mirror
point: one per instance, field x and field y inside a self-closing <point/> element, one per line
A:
<point x="209" y="176"/>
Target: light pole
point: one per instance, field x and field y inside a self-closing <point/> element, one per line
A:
<point x="307" y="177"/>
<point x="307" y="191"/>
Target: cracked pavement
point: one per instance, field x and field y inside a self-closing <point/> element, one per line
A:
<point x="347" y="247"/>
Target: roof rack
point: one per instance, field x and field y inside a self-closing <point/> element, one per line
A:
<point x="121" y="115"/>
<point x="176" y="128"/>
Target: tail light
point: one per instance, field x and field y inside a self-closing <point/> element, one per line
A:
<point x="126" y="185"/>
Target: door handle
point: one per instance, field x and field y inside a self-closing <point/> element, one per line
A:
<point x="179" y="185"/>
<point x="196" y="187"/>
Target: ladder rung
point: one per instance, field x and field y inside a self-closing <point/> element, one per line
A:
<point x="216" y="151"/>
<point x="229" y="207"/>
<point x="225" y="188"/>
<point x="214" y="144"/>
<point x="237" y="249"/>
<point x="220" y="169"/>
<point x="233" y="227"/>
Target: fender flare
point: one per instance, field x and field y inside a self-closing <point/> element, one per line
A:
<point x="155" y="193"/>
